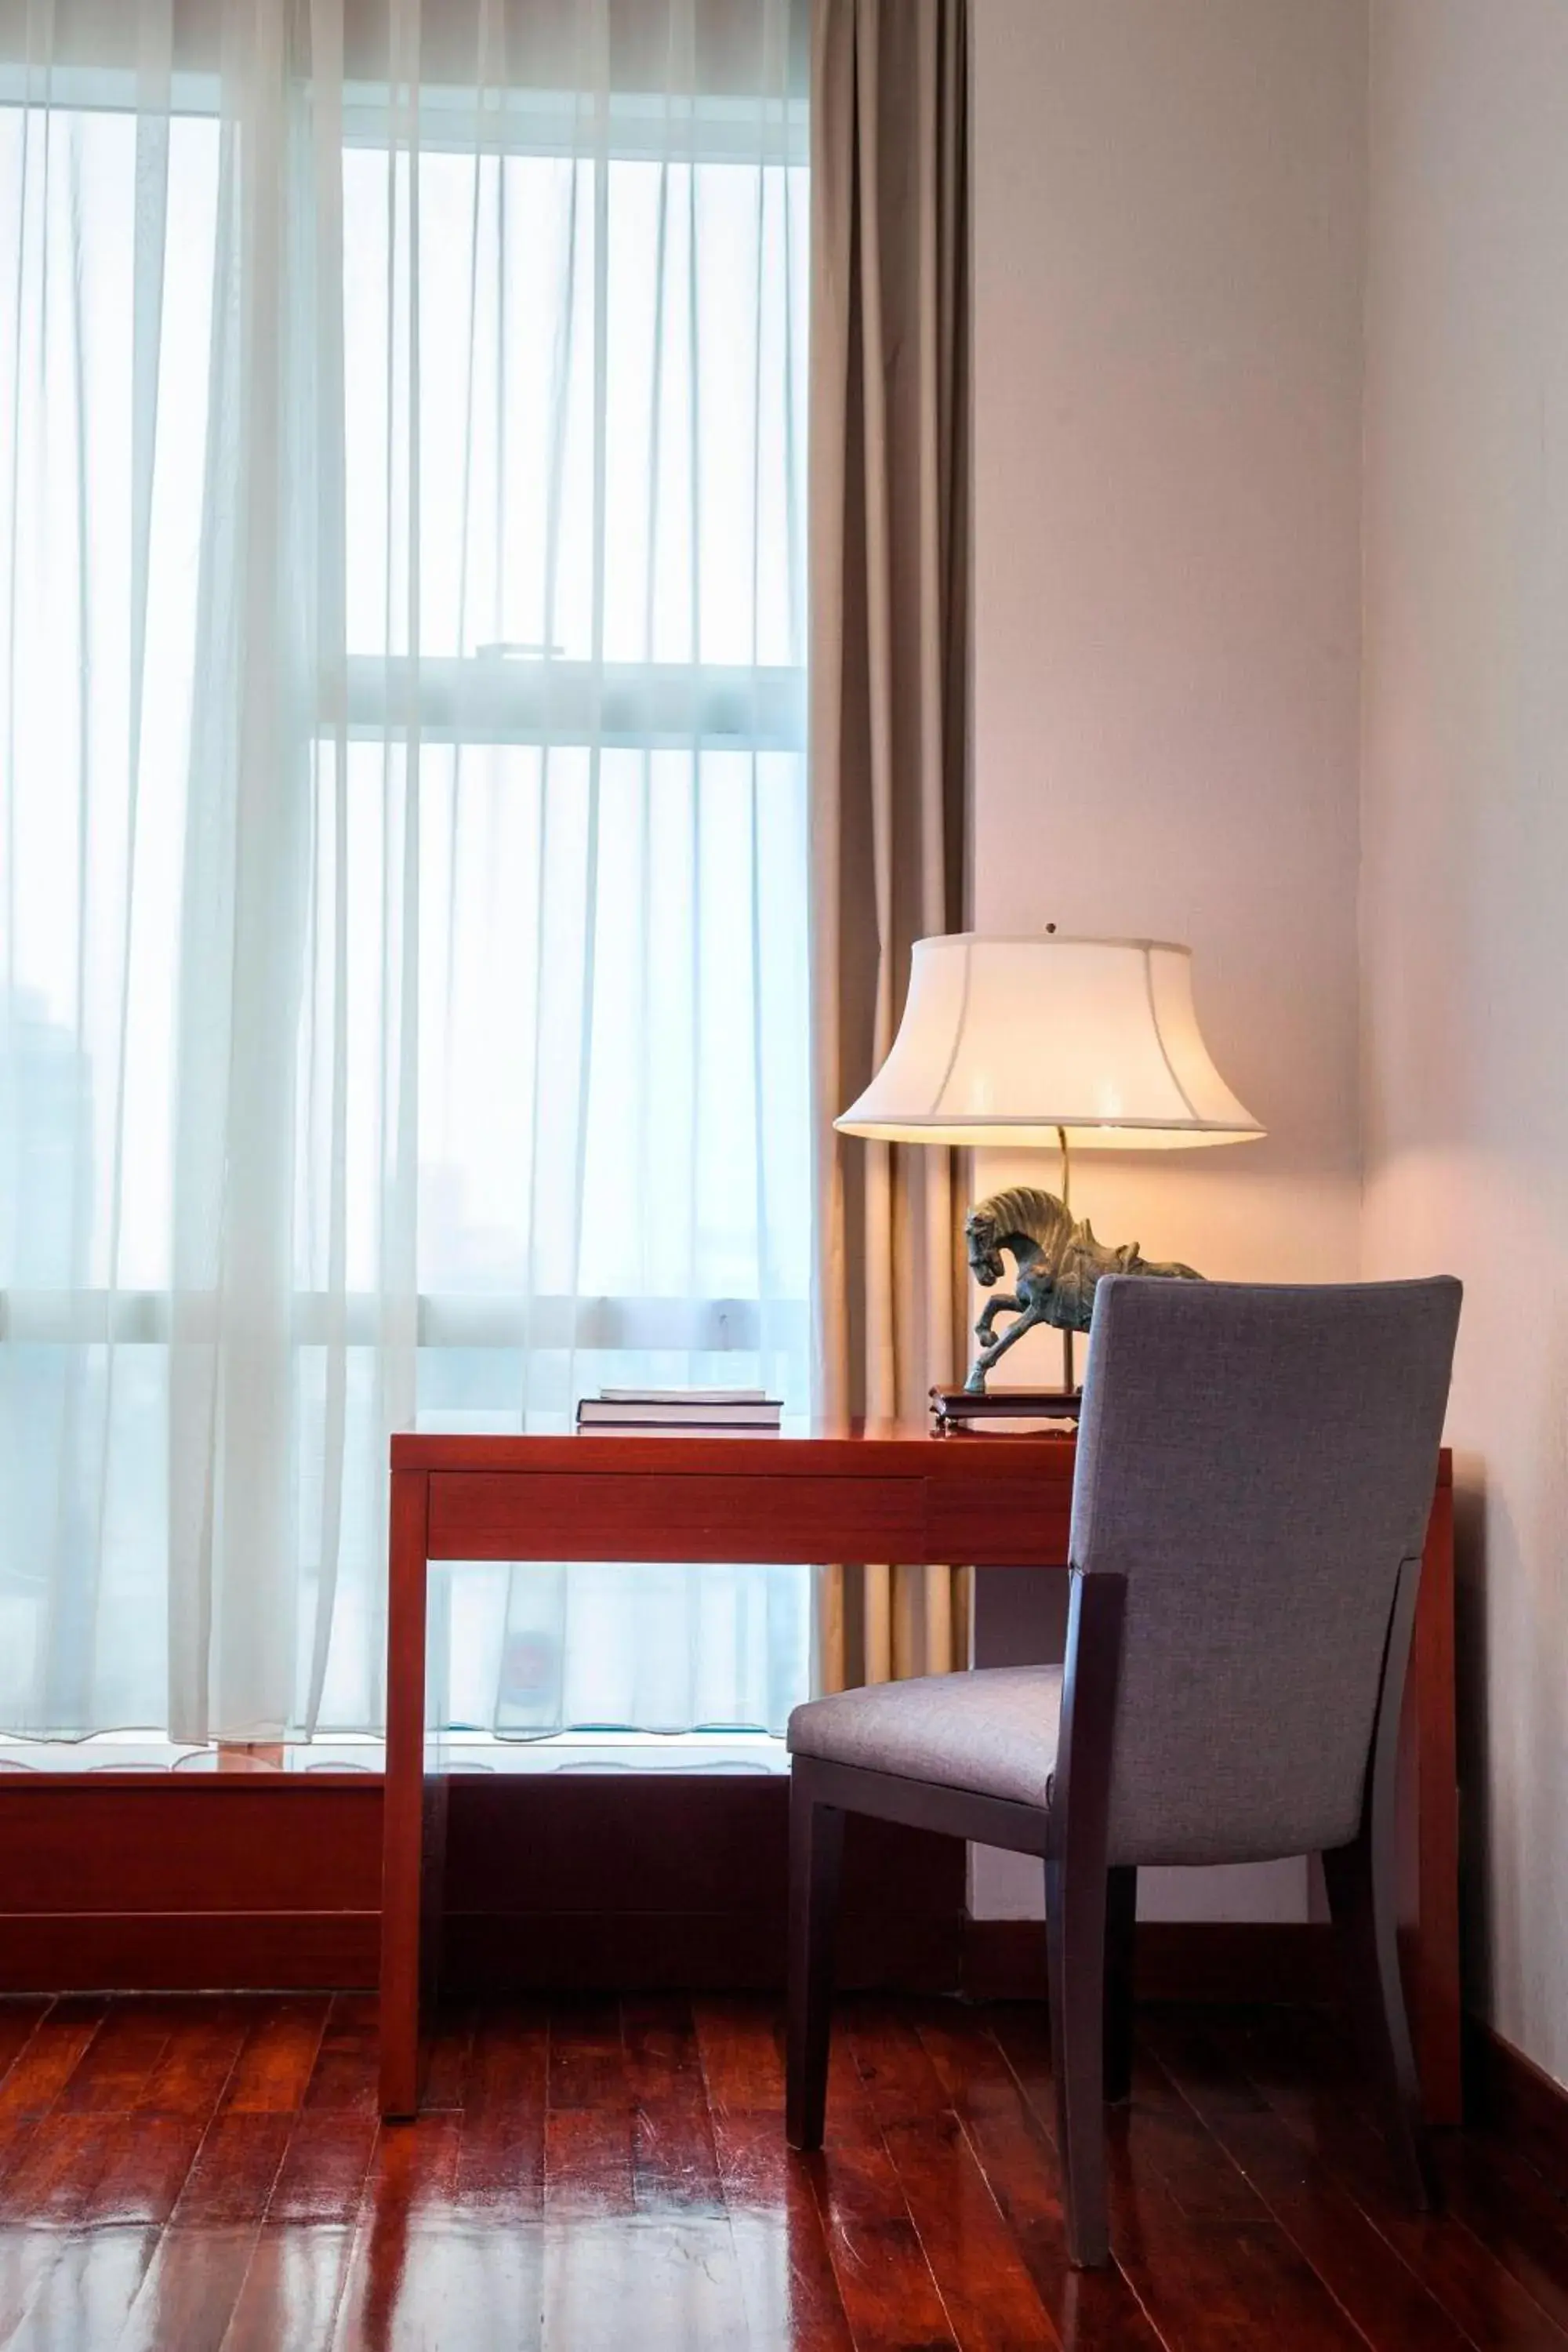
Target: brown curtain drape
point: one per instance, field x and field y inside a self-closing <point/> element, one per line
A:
<point x="890" y="730"/>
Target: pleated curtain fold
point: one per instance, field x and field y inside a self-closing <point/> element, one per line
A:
<point x="888" y="525"/>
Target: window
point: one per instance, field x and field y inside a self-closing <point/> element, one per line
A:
<point x="404" y="706"/>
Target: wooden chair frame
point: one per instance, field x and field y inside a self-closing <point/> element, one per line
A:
<point x="1091" y="1906"/>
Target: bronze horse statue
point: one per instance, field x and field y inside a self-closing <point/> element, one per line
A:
<point x="1058" y="1264"/>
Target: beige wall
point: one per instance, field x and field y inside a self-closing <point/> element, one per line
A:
<point x="1171" y="510"/>
<point x="1169" y="202"/>
<point x="1465" y="897"/>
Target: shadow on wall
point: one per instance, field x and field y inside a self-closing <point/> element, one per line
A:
<point x="1470" y="1507"/>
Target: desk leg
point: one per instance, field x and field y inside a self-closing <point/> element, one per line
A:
<point x="403" y="1872"/>
<point x="1429" y="1829"/>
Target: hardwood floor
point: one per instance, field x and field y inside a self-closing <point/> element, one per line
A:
<point x="192" y="2175"/>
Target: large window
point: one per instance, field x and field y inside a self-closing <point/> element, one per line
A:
<point x="403" y="709"/>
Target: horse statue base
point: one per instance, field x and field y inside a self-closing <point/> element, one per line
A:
<point x="953" y="1409"/>
<point x="1059" y="1265"/>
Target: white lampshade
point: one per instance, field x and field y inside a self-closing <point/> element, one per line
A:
<point x="1008" y="1041"/>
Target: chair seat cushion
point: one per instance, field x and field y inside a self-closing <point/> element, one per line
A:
<point x="992" y="1730"/>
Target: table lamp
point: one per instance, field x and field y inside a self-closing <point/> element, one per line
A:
<point x="1046" y="1043"/>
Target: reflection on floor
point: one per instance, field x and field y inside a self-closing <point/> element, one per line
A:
<point x="210" y="2173"/>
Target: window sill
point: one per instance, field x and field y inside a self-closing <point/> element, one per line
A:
<point x="719" y="1753"/>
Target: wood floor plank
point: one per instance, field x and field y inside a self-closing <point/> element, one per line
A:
<point x="190" y="2287"/>
<point x="41" y="2200"/>
<point x="1207" y="2262"/>
<point x="55" y="2173"/>
<point x="115" y="2065"/>
<point x="232" y="2172"/>
<point x="321" y="2181"/>
<point x="650" y="2279"/>
<point x="147" y="2162"/>
<point x="1232" y="2285"/>
<point x="675" y="2167"/>
<point x="187" y="2294"/>
<point x="787" y="2280"/>
<point x="1093" y="2311"/>
<point x="1508" y="2204"/>
<point x="740" y="2036"/>
<point x="20" y="2016"/>
<point x="447" y="2070"/>
<point x="787" y="2283"/>
<point x="638" y="2242"/>
<point x="16" y="2132"/>
<point x="92" y="2286"/>
<point x="198" y="2059"/>
<point x="441" y="2291"/>
<point x="431" y="2265"/>
<point x="295" y="2280"/>
<point x="291" y="2291"/>
<point x="587" y="2056"/>
<point x="277" y="2056"/>
<point x="88" y="2291"/>
<point x="1385" y="2299"/>
<point x="394" y="2283"/>
<point x="51" y="2055"/>
<point x="986" y="2285"/>
<point x="501" y="2156"/>
<point x="588" y="2122"/>
<point x="884" y="2281"/>
<point x="1302" y="2070"/>
<point x="346" y="2071"/>
<point x="509" y="2058"/>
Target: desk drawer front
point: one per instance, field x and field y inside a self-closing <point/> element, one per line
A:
<point x="1007" y="1522"/>
<point x="565" y="1515"/>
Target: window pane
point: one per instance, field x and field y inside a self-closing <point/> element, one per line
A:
<point x="687" y="365"/>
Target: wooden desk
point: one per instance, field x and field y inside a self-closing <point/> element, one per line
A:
<point x="991" y="1501"/>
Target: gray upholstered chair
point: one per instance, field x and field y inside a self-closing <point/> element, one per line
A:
<point x="1254" y="1475"/>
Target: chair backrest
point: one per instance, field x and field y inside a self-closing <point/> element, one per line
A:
<point x="1257" y="1461"/>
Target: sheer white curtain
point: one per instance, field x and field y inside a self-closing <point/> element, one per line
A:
<point x="402" y="724"/>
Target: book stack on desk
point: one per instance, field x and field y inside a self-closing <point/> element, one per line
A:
<point x="750" y="1410"/>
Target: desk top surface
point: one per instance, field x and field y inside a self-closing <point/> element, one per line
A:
<point x="852" y="1449"/>
<point x="846" y="1450"/>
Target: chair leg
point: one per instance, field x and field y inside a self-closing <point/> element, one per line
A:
<point x="816" y="1849"/>
<point x="1361" y="1904"/>
<point x="1074" y="1954"/>
<point x="1120" y="1924"/>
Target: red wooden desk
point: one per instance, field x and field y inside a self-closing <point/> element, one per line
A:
<point x="904" y="1495"/>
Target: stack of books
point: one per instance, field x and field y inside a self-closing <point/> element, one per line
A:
<point x="751" y="1411"/>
